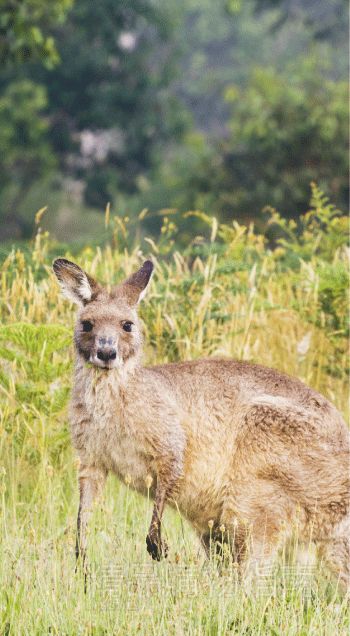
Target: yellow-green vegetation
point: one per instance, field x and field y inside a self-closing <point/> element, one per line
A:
<point x="229" y="294"/>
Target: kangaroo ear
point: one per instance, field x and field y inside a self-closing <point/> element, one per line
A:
<point x="136" y="285"/>
<point x="76" y="284"/>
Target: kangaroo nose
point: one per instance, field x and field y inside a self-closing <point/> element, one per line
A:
<point x="106" y="354"/>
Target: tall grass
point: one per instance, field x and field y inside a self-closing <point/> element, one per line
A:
<point x="227" y="294"/>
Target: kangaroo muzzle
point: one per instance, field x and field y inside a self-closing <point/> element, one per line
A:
<point x="106" y="352"/>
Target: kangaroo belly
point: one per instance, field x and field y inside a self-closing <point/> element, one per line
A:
<point x="130" y="465"/>
<point x="200" y="505"/>
<point x="204" y="485"/>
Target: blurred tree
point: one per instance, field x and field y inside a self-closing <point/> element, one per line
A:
<point x="107" y="111"/>
<point x="26" y="30"/>
<point x="327" y="20"/>
<point x="109" y="108"/>
<point x="26" y="155"/>
<point x="111" y="120"/>
<point x="223" y="42"/>
<point x="285" y="131"/>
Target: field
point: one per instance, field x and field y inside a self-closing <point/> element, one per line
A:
<point x="229" y="293"/>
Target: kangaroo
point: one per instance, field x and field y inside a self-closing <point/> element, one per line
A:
<point x="241" y="450"/>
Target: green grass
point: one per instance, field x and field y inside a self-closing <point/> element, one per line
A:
<point x="229" y="295"/>
<point x="127" y="593"/>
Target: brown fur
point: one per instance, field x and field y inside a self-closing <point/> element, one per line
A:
<point x="244" y="446"/>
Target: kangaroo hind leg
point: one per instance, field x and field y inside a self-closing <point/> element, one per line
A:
<point x="335" y="552"/>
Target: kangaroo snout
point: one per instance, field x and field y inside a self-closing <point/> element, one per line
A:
<point x="105" y="351"/>
<point x="105" y="354"/>
<point x="104" y="348"/>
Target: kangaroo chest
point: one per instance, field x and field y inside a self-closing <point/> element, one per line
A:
<point x="108" y="438"/>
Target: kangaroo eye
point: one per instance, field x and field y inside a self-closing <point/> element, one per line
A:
<point x="87" y="325"/>
<point x="127" y="325"/>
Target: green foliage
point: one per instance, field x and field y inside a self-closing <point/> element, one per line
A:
<point x="313" y="249"/>
<point x="321" y="237"/>
<point x="223" y="107"/>
<point x="285" y="131"/>
<point x="115" y="68"/>
<point x="26" y="30"/>
<point x="329" y="22"/>
<point x="108" y="113"/>
<point x="35" y="377"/>
<point x="322" y="230"/>
<point x="333" y="293"/>
<point x="26" y="153"/>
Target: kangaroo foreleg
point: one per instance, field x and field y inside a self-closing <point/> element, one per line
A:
<point x="167" y="481"/>
<point x="91" y="482"/>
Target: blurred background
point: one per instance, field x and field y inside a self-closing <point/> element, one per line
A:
<point x="225" y="107"/>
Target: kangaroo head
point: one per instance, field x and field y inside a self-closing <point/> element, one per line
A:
<point x="107" y="331"/>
